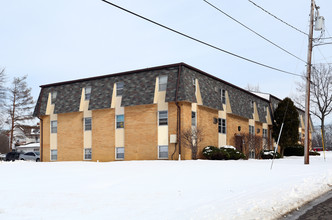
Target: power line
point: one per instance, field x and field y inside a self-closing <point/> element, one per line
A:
<point x="278" y="18"/>
<point x="200" y="41"/>
<point x="253" y="31"/>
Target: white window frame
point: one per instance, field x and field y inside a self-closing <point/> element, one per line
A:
<point x="87" y="93"/>
<point x="264" y="133"/>
<point x="56" y="155"/>
<point x="159" y="152"/>
<point x="85" y="124"/>
<point x="162" y="81"/>
<point x="116" y="153"/>
<point x="119" y="88"/>
<point x="116" y="123"/>
<point x="54" y="129"/>
<point x="87" y="155"/>
<point x="162" y="118"/>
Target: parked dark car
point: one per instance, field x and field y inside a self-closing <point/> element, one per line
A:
<point x="35" y="156"/>
<point x="12" y="156"/>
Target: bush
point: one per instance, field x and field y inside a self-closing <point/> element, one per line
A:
<point x="268" y="154"/>
<point x="214" y="153"/>
<point x="296" y="150"/>
<point x="314" y="153"/>
<point x="233" y="153"/>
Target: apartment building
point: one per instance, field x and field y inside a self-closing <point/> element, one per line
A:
<point x="140" y="114"/>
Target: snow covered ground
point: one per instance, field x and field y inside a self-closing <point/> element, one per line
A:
<point x="160" y="189"/>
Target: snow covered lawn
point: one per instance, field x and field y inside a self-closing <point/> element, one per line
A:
<point x="160" y="189"/>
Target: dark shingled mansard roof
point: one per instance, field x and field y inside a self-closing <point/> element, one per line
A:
<point x="139" y="86"/>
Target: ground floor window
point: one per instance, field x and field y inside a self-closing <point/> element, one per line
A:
<point x="87" y="154"/>
<point x="119" y="153"/>
<point x="54" y="154"/>
<point x="252" y="153"/>
<point x="163" y="152"/>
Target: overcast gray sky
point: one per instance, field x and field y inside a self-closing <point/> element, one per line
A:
<point x="54" y="41"/>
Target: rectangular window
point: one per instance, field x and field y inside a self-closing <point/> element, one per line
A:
<point x="251" y="129"/>
<point x="53" y="97"/>
<point x="54" y="154"/>
<point x="87" y="124"/>
<point x="264" y="133"/>
<point x="162" y="83"/>
<point x="87" y="93"/>
<point x="119" y="153"/>
<point x="163" y="118"/>
<point x="193" y="118"/>
<point x="119" y="88"/>
<point x="54" y="126"/>
<point x="87" y="154"/>
<point x="163" y="152"/>
<point x="194" y="84"/>
<point x="223" y="96"/>
<point x="120" y="121"/>
<point x="222" y="126"/>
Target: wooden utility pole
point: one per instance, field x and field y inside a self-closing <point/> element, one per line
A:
<point x="307" y="101"/>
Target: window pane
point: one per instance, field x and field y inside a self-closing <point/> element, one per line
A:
<point x="193" y="118"/>
<point x="162" y="83"/>
<point x="54" y="154"/>
<point x="223" y="126"/>
<point x="223" y="96"/>
<point x="120" y="152"/>
<point x="53" y="97"/>
<point x="219" y="125"/>
<point x="119" y="88"/>
<point x="87" y="93"/>
<point x="163" y="152"/>
<point x="120" y="121"/>
<point x="54" y="126"/>
<point x="87" y="154"/>
<point x="163" y="118"/>
<point x="87" y="124"/>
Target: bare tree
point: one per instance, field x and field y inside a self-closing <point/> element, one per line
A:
<point x="19" y="106"/>
<point x="320" y="93"/>
<point x="252" y="88"/>
<point x="192" y="137"/>
<point x="253" y="145"/>
<point x="2" y="95"/>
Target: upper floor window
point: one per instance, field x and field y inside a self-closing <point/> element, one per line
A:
<point x="54" y="126"/>
<point x="194" y="84"/>
<point x="264" y="133"/>
<point x="162" y="83"/>
<point x="120" y="121"/>
<point x="87" y="124"/>
<point x="222" y="126"/>
<point x="193" y="119"/>
<point x="87" y="93"/>
<point x="163" y="117"/>
<point x="53" y="97"/>
<point x="119" y="88"/>
<point x="251" y="129"/>
<point x="223" y="96"/>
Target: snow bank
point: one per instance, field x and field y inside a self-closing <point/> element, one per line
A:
<point x="161" y="189"/>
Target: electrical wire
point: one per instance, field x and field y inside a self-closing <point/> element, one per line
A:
<point x="215" y="7"/>
<point x="200" y="41"/>
<point x="278" y="18"/>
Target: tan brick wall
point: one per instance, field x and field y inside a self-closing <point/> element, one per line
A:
<point x="46" y="139"/>
<point x="172" y="129"/>
<point x="210" y="130"/>
<point x="233" y="122"/>
<point x="70" y="136"/>
<point x="141" y="140"/>
<point x="185" y="124"/>
<point x="103" y="132"/>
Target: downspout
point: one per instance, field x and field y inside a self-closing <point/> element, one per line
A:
<point x="178" y="121"/>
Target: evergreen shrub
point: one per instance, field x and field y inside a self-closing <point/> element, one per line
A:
<point x="296" y="150"/>
<point x="214" y="153"/>
<point x="268" y="154"/>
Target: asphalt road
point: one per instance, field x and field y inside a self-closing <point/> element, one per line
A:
<point x="319" y="209"/>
